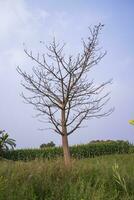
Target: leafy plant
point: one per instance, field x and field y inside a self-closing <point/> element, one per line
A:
<point x="118" y="178"/>
<point x="6" y="143"/>
<point x="131" y="122"/>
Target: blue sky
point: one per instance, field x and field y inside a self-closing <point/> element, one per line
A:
<point x="28" y="22"/>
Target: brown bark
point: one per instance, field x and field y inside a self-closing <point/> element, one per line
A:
<point x="66" y="152"/>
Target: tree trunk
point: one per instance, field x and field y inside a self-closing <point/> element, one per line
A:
<point x="65" y="146"/>
<point x="66" y="151"/>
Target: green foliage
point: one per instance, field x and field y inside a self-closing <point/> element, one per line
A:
<point x="6" y="143"/>
<point x="118" y="179"/>
<point x="49" y="144"/>
<point x="102" y="178"/>
<point x="78" y="151"/>
<point x="131" y="122"/>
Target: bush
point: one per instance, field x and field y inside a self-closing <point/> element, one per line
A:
<point x="78" y="151"/>
<point x="50" y="144"/>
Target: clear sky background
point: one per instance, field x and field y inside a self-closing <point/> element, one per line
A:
<point x="30" y="21"/>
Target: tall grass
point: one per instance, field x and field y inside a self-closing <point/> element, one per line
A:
<point x="100" y="178"/>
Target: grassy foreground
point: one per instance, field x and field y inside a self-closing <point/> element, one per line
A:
<point x="101" y="178"/>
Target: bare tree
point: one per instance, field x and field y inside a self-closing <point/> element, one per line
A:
<point x="61" y="90"/>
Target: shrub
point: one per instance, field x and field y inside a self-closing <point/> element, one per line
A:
<point x="50" y="144"/>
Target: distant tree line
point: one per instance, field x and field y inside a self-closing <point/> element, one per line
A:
<point x="104" y="141"/>
<point x="49" y="144"/>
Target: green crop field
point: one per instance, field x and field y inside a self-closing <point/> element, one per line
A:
<point x="109" y="177"/>
<point x="89" y="150"/>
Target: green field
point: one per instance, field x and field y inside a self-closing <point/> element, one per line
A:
<point x="101" y="178"/>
